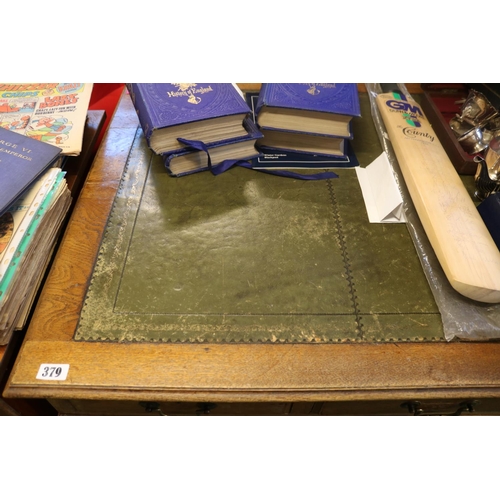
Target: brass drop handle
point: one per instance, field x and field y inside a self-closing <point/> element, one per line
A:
<point x="204" y="408"/>
<point x="151" y="406"/>
<point x="439" y="409"/>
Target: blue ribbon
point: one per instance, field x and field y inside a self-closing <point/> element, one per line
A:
<point x="227" y="164"/>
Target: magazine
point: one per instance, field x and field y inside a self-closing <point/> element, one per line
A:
<point x="48" y="112"/>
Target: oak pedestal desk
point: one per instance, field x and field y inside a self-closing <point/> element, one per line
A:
<point x="389" y="378"/>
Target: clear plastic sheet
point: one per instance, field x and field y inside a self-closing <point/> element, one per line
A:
<point x="462" y="318"/>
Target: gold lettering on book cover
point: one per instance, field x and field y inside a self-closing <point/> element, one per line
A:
<point x="191" y="91"/>
<point x="314" y="90"/>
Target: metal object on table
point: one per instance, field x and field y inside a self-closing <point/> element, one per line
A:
<point x="474" y="141"/>
<point x="487" y="136"/>
<point x="477" y="110"/>
<point x="477" y="123"/>
<point x="485" y="184"/>
<point x="459" y="127"/>
<point x="494" y="124"/>
<point x="492" y="157"/>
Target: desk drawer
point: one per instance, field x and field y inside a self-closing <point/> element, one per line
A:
<point x="91" y="407"/>
<point x="329" y="408"/>
<point x="467" y="406"/>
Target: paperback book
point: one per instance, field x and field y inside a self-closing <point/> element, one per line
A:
<point x="52" y="113"/>
<point x="207" y="112"/>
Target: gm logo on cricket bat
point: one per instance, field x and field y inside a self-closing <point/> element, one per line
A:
<point x="411" y="114"/>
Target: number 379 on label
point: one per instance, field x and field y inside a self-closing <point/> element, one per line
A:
<point x="52" y="372"/>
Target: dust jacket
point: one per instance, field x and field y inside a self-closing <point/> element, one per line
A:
<point x="162" y="106"/>
<point x="22" y="161"/>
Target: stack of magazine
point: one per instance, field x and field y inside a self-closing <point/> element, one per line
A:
<point x="305" y="124"/>
<point x="41" y="125"/>
<point x="195" y="126"/>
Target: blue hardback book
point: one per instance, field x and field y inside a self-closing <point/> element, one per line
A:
<point x="324" y="108"/>
<point x="279" y="159"/>
<point x="207" y="112"/>
<point x="298" y="142"/>
<point x="189" y="161"/>
<point x="22" y="161"/>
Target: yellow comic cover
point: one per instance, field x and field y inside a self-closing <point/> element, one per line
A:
<point x="48" y="112"/>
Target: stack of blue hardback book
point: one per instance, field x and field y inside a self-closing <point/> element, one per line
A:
<point x="195" y="126"/>
<point x="313" y="120"/>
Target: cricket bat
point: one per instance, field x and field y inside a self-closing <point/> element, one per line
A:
<point x="462" y="243"/>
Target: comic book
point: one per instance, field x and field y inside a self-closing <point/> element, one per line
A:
<point x="48" y="112"/>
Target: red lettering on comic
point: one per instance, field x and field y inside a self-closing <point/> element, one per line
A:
<point x="59" y="100"/>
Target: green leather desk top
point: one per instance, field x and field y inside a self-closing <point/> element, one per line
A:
<point x="250" y="257"/>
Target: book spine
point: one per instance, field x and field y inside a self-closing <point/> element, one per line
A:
<point x="262" y="99"/>
<point x="141" y="109"/>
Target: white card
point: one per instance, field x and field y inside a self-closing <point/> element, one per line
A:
<point x="383" y="200"/>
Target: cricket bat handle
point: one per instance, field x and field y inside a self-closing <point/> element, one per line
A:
<point x="462" y="243"/>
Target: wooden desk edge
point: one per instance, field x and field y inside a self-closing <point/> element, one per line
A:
<point x="252" y="396"/>
<point x="244" y="371"/>
<point x="282" y="371"/>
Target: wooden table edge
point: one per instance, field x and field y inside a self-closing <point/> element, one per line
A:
<point x="252" y="396"/>
<point x="256" y="371"/>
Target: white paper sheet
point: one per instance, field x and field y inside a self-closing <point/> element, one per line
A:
<point x="380" y="191"/>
